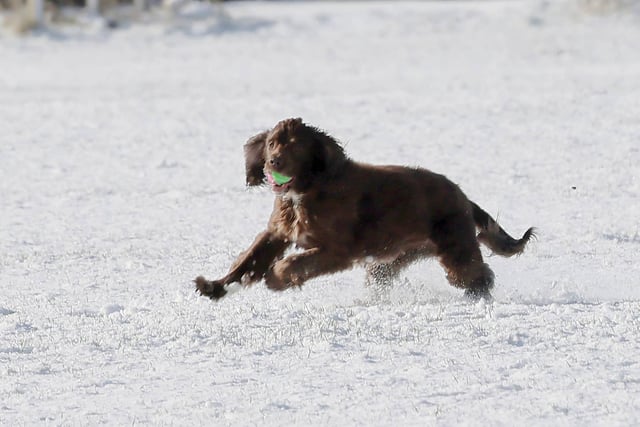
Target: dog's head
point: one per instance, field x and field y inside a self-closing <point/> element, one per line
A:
<point x="291" y="157"/>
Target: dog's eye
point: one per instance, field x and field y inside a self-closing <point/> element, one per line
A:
<point x="272" y="144"/>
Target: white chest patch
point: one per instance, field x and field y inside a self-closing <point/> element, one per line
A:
<point x="294" y="197"/>
<point x="301" y="231"/>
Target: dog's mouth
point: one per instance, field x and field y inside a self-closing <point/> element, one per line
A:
<point x="279" y="182"/>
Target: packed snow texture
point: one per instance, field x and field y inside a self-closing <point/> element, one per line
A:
<point x="122" y="178"/>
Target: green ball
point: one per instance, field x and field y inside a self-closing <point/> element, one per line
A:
<point x="280" y="179"/>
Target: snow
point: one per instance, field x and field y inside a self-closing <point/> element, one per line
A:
<point x="121" y="180"/>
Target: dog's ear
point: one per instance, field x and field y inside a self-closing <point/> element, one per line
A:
<point x="254" y="158"/>
<point x="328" y="155"/>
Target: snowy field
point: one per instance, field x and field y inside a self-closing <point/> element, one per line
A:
<point x="121" y="179"/>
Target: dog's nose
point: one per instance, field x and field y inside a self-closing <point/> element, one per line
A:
<point x="275" y="162"/>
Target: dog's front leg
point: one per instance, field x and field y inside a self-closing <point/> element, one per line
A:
<point x="296" y="269"/>
<point x="248" y="268"/>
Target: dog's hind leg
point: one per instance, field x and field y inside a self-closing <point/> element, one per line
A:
<point x="475" y="277"/>
<point x="459" y="253"/>
<point x="382" y="274"/>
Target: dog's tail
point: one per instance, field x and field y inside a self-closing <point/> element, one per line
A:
<point x="495" y="238"/>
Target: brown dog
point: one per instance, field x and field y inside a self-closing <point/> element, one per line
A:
<point x="343" y="213"/>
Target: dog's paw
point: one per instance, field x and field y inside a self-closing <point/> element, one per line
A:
<point x="275" y="283"/>
<point x="208" y="288"/>
<point x="279" y="279"/>
<point x="475" y="295"/>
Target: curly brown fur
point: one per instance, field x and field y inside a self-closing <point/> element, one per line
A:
<point x="341" y="213"/>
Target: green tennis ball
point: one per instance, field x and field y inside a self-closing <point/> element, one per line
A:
<point x="280" y="179"/>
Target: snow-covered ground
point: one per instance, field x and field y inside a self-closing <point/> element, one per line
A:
<point x="121" y="179"/>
